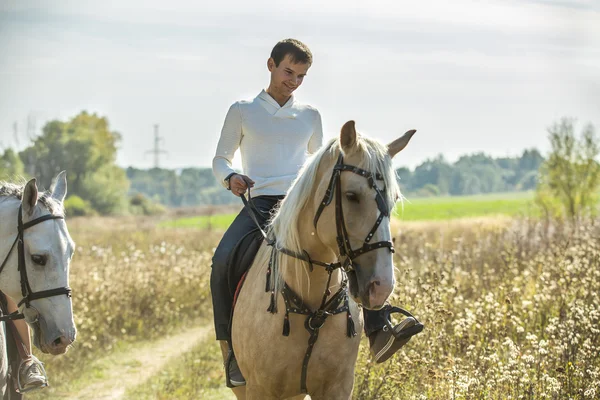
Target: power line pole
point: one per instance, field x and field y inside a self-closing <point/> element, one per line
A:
<point x="157" y="151"/>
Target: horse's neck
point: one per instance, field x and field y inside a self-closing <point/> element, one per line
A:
<point x="311" y="285"/>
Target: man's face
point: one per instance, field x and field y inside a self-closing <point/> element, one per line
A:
<point x="288" y="76"/>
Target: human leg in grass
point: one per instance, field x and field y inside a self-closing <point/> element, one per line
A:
<point x="31" y="373"/>
<point x="385" y="337"/>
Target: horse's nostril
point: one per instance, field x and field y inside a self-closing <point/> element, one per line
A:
<point x="57" y="342"/>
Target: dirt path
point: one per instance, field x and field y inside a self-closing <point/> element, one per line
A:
<point x="140" y="363"/>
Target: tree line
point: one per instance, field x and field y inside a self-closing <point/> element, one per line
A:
<point x="86" y="147"/>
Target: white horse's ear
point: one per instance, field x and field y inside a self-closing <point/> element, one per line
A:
<point x="399" y="144"/>
<point x="30" y="197"/>
<point x="59" y="187"/>
<point x="348" y="137"/>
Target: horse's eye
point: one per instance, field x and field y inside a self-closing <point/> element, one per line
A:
<point x="39" y="260"/>
<point x="353" y="197"/>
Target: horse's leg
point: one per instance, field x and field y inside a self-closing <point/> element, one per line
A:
<point x="240" y="392"/>
<point x="336" y="392"/>
<point x="255" y="393"/>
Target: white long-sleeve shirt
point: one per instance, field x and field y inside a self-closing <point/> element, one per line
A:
<point x="274" y="142"/>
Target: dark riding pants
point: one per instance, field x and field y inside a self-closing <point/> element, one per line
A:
<point x="219" y="283"/>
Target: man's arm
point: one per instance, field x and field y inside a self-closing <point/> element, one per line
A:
<point x="229" y="142"/>
<point x="316" y="140"/>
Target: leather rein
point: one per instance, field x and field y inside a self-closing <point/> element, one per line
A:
<point x="338" y="303"/>
<point x="26" y="291"/>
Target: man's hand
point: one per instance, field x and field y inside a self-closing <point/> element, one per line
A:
<point x="239" y="184"/>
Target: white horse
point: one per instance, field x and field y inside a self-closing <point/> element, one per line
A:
<point x="35" y="253"/>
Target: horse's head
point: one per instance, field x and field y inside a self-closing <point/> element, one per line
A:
<point x="354" y="219"/>
<point x="47" y="250"/>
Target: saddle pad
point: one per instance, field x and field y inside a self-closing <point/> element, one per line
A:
<point x="242" y="257"/>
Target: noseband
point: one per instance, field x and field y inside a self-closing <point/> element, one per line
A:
<point x="26" y="291"/>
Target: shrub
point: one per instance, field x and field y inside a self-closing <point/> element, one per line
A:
<point x="77" y="207"/>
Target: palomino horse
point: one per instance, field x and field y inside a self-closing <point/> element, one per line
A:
<point x="35" y="252"/>
<point x="332" y="229"/>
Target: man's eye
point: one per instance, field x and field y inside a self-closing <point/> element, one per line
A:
<point x="39" y="260"/>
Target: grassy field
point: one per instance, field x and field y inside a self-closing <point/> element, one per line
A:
<point x="511" y="309"/>
<point x="419" y="209"/>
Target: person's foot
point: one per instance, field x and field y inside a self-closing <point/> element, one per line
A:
<point x="234" y="375"/>
<point x="385" y="342"/>
<point x="31" y="375"/>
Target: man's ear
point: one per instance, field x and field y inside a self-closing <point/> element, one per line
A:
<point x="270" y="64"/>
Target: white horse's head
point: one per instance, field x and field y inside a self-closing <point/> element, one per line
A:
<point x="47" y="251"/>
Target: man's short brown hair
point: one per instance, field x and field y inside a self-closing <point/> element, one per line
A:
<point x="298" y="52"/>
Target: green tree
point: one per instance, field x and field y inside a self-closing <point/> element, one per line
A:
<point x="571" y="174"/>
<point x="87" y="149"/>
<point x="11" y="166"/>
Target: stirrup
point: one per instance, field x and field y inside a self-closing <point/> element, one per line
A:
<point x="20" y="388"/>
<point x="405" y="333"/>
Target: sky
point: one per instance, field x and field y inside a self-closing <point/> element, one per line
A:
<point x="470" y="76"/>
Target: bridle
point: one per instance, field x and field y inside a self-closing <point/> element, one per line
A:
<point x="343" y="241"/>
<point x="338" y="302"/>
<point x="26" y="291"/>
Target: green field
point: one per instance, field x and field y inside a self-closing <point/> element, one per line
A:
<point x="448" y="207"/>
<point x="418" y="209"/>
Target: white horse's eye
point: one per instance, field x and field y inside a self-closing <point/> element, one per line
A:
<point x="38" y="259"/>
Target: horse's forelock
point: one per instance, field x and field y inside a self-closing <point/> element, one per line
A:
<point x="44" y="198"/>
<point x="376" y="159"/>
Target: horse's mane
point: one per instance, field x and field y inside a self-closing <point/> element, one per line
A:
<point x="285" y="222"/>
<point x="14" y="190"/>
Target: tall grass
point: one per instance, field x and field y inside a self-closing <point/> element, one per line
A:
<point x="511" y="307"/>
<point x="510" y="313"/>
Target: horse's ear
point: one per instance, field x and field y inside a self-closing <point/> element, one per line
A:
<point x="348" y="136"/>
<point x="30" y="197"/>
<point x="399" y="144"/>
<point x="59" y="187"/>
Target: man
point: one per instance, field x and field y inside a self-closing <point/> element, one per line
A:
<point x="274" y="133"/>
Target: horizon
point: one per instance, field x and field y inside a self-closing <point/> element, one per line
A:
<point x="510" y="69"/>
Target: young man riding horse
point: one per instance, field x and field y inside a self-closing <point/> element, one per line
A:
<point x="275" y="133"/>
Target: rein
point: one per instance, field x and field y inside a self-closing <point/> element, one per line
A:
<point x="26" y="291"/>
<point x="338" y="303"/>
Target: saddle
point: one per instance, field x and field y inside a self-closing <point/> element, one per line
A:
<point x="240" y="260"/>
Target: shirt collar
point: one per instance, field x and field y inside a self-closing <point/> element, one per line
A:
<point x="263" y="95"/>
